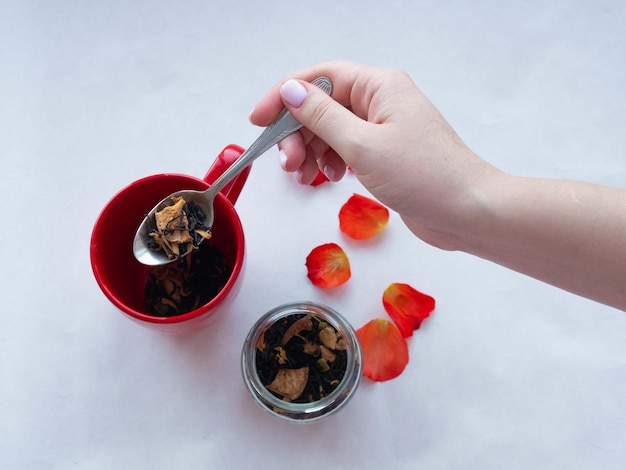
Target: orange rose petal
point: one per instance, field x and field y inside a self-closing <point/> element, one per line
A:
<point x="385" y="352"/>
<point x="361" y="217"/>
<point x="328" y="266"/>
<point x="407" y="307"/>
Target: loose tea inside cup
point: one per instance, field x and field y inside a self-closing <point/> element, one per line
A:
<point x="183" y="285"/>
<point x="302" y="361"/>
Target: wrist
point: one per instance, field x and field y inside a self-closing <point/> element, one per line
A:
<point x="478" y="231"/>
<point x="461" y="219"/>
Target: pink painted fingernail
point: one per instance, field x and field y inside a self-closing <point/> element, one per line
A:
<point x="298" y="176"/>
<point x="293" y="93"/>
<point x="282" y="158"/>
<point x="330" y="172"/>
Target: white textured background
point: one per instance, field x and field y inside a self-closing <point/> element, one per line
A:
<point x="507" y="373"/>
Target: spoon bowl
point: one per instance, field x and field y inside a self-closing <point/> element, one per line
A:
<point x="284" y="125"/>
<point x="142" y="251"/>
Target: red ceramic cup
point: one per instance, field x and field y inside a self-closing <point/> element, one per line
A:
<point x="122" y="278"/>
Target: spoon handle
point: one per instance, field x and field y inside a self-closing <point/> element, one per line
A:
<point x="283" y="125"/>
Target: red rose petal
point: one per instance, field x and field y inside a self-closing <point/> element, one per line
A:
<point x="319" y="179"/>
<point x="361" y="217"/>
<point x="407" y="307"/>
<point x="328" y="266"/>
<point x="385" y="352"/>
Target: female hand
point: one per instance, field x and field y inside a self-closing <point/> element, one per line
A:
<point x="566" y="233"/>
<point x="381" y="125"/>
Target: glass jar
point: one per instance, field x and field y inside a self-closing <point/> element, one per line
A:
<point x="315" y="410"/>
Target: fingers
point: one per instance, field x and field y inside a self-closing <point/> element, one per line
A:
<point x="292" y="152"/>
<point x="331" y="125"/>
<point x="335" y="125"/>
<point x="332" y="165"/>
<point x="306" y="159"/>
<point x="307" y="171"/>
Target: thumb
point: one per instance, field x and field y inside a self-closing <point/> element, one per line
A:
<point x="322" y="115"/>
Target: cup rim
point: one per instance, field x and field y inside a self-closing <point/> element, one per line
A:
<point x="202" y="309"/>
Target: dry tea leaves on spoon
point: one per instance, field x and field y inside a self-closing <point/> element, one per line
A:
<point x="179" y="228"/>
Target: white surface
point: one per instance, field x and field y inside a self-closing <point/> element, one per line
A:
<point x="507" y="373"/>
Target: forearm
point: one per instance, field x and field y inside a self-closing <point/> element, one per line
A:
<point x="568" y="234"/>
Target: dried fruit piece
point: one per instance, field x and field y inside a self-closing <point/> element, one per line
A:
<point x="361" y="217"/>
<point x="290" y="383"/>
<point x="407" y="307"/>
<point x="328" y="337"/>
<point x="281" y="355"/>
<point x="311" y="348"/>
<point x="260" y="345"/>
<point x="385" y="352"/>
<point x="179" y="228"/>
<point x="328" y="266"/>
<point x="341" y="345"/>
<point x="327" y="354"/>
<point x="304" y="323"/>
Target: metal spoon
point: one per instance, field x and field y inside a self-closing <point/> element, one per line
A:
<point x="283" y="125"/>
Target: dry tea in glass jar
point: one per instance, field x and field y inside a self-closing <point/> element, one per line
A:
<point x="302" y="361"/>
